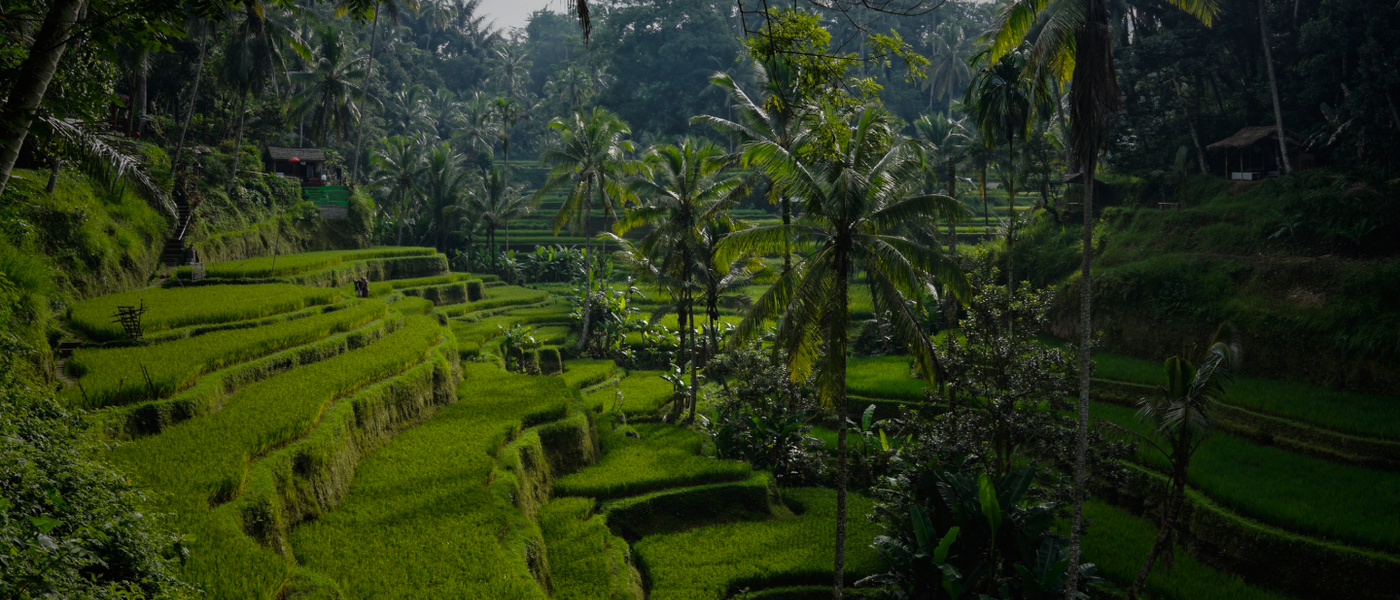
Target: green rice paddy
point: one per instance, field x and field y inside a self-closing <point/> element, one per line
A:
<point x="663" y="456"/>
<point x="169" y="308"/>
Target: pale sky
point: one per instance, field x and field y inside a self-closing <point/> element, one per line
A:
<point x="514" y="13"/>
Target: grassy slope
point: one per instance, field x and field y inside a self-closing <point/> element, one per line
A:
<point x="664" y="456"/>
<point x="1294" y="491"/>
<point x="420" y="521"/>
<point x="168" y="308"/>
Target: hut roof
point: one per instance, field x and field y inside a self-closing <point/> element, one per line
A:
<point x="1079" y="179"/>
<point x="305" y="154"/>
<point x="1253" y="135"/>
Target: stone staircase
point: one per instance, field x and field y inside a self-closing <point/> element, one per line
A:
<point x="174" y="254"/>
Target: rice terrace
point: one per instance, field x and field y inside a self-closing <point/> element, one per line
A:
<point x="700" y="299"/>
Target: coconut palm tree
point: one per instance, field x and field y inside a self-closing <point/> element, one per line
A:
<point x="589" y="159"/>
<point x="855" y="197"/>
<point x="397" y="167"/>
<point x="443" y="111"/>
<point x="362" y="9"/>
<point x="571" y="86"/>
<point x="948" y="139"/>
<point x="1181" y="417"/>
<point x="407" y="110"/>
<point x="1003" y="102"/>
<point x="775" y="118"/>
<point x="254" y="58"/>
<point x="329" y="96"/>
<point x="1072" y="41"/>
<point x="496" y="202"/>
<point x="443" y="182"/>
<point x="948" y="69"/>
<point x="685" y="188"/>
<point x="476" y="127"/>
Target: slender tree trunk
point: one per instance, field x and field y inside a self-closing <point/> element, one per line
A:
<point x="238" y="142"/>
<point x="982" y="179"/>
<point x="837" y="348"/>
<point x="194" y="97"/>
<point x="369" y="72"/>
<point x="588" y="268"/>
<point x="1086" y="368"/>
<point x="138" y="103"/>
<point x="1170" y="509"/>
<point x="786" y="204"/>
<point x="32" y="81"/>
<point x="1273" y="89"/>
<point x="55" y="163"/>
<point x="694" y="363"/>
<point x="950" y="317"/>
<point x="1011" y="218"/>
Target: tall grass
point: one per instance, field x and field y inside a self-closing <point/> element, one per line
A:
<point x="420" y="520"/>
<point x="1118" y="541"/>
<point x="497" y="297"/>
<point x="1349" y="412"/>
<point x="643" y="393"/>
<point x="202" y="462"/>
<point x="715" y="561"/>
<point x="168" y="308"/>
<point x="110" y="376"/>
<point x="586" y="561"/>
<point x="664" y="456"/>
<point x="293" y="264"/>
<point x="585" y="372"/>
<point x="883" y="377"/>
<point x="1301" y="493"/>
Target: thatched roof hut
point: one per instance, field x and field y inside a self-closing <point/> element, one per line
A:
<point x="1252" y="153"/>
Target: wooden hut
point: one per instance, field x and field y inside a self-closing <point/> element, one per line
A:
<point x="307" y="165"/>
<point x="1253" y="153"/>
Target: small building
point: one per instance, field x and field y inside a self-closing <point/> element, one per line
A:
<point x="307" y="165"/>
<point x="1253" y="153"/>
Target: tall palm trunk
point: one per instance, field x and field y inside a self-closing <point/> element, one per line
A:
<point x="238" y="141"/>
<point x="694" y="362"/>
<point x="1273" y="89"/>
<point x="837" y="348"/>
<point x="194" y="97"/>
<point x="588" y="263"/>
<point x="1086" y="367"/>
<point x="32" y="81"/>
<point x="982" y="187"/>
<point x="1011" y="217"/>
<point x="1170" y="509"/>
<point x="369" y="72"/>
<point x="786" y="204"/>
<point x="950" y="317"/>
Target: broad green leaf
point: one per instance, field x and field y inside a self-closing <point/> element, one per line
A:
<point x="991" y="509"/>
<point x="44" y="523"/>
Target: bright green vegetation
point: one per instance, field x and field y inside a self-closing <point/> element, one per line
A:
<point x="1294" y="491"/>
<point x="715" y="561"/>
<point x="497" y="297"/>
<point x="111" y="376"/>
<point x="586" y="561"/>
<point x="421" y="520"/>
<point x="1350" y="412"/>
<point x="293" y="264"/>
<point x="168" y="308"/>
<point x="383" y="287"/>
<point x="1117" y="542"/>
<point x="204" y="461"/>
<point x="585" y="372"/>
<point x="643" y="393"/>
<point x="664" y="456"/>
<point x="883" y="377"/>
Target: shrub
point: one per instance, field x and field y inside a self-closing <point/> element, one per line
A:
<point x="168" y="308"/>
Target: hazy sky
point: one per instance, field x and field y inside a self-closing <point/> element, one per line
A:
<point x="513" y="13"/>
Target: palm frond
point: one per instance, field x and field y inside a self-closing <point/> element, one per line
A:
<point x="107" y="163"/>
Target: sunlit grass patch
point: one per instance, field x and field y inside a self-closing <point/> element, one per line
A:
<point x="497" y="297"/>
<point x="168" y="308"/>
<point x="585" y="372"/>
<point x="109" y="376"/>
<point x="883" y="377"/>
<point x="715" y="561"/>
<point x="1294" y="491"/>
<point x="643" y="393"/>
<point x="1118" y="542"/>
<point x="664" y="456"/>
<point x="586" y="561"/>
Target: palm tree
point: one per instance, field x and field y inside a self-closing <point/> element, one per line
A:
<point x="1001" y="102"/>
<point x="204" y="25"/>
<point x="571" y="86"/>
<point x="948" y="140"/>
<point x="397" y="167"/>
<point x="1181" y="417"/>
<point x="443" y="112"/>
<point x="407" y="110"/>
<point x="686" y="187"/>
<point x="252" y="60"/>
<point x="854" y="197"/>
<point x="495" y="203"/>
<point x="510" y="69"/>
<point x="329" y="94"/>
<point x="948" y="46"/>
<point x="720" y="280"/>
<point x="590" y="158"/>
<point x="476" y="126"/>
<point x="776" y="118"/>
<point x="1074" y="43"/>
<point x="444" y="182"/>
<point x="361" y="9"/>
